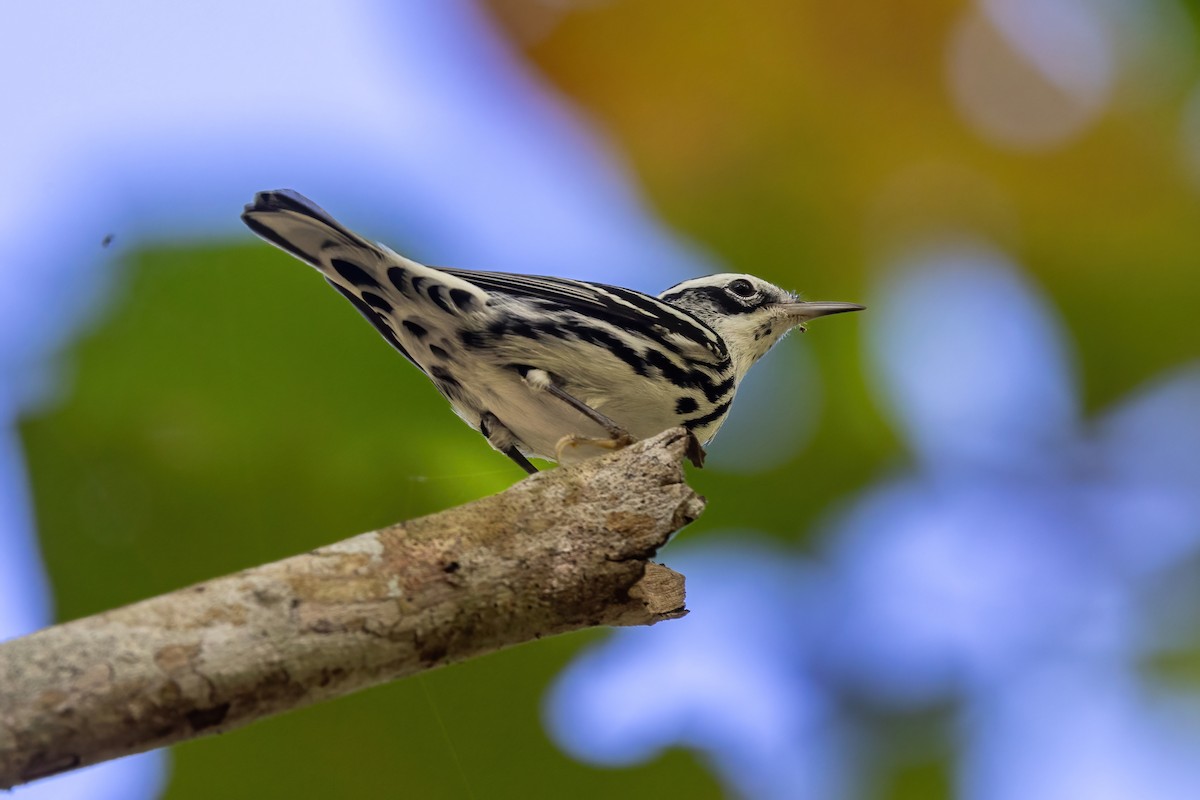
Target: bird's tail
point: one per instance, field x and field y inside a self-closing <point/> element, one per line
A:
<point x="356" y="268"/>
<point x="383" y="285"/>
<point x="297" y="225"/>
<point x="364" y="271"/>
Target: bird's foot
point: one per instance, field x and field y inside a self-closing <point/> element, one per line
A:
<point x="570" y="444"/>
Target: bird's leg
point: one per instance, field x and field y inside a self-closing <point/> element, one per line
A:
<point x="695" y="451"/>
<point x="501" y="438"/>
<point x="618" y="437"/>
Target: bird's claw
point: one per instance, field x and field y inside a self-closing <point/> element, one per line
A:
<point x="617" y="442"/>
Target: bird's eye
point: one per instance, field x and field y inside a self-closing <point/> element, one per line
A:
<point x="742" y="288"/>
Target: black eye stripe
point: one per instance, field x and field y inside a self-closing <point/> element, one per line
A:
<point x="722" y="299"/>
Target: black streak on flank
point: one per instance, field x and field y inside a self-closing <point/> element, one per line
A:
<point x="415" y="329"/>
<point x="720" y="390"/>
<point x="375" y="301"/>
<point x="439" y="352"/>
<point x="688" y="379"/>
<point x="462" y="298"/>
<point x="416" y="283"/>
<point x="354" y="273"/>
<point x="712" y="416"/>
<point x="686" y="405"/>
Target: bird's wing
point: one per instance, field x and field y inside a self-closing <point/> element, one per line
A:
<point x="406" y="301"/>
<point x="625" y="309"/>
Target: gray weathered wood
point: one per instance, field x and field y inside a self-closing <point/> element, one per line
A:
<point x="561" y="550"/>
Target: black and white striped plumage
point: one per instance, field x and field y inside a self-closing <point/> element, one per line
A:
<point x="542" y="366"/>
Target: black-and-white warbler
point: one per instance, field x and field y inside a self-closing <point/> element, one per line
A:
<point x="550" y="367"/>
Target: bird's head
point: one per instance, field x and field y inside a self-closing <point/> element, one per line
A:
<point x="748" y="313"/>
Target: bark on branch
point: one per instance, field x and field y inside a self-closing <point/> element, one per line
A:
<point x="562" y="550"/>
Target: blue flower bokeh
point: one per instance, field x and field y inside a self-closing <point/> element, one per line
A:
<point x="733" y="680"/>
<point x="1021" y="572"/>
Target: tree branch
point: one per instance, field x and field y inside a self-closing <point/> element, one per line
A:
<point x="562" y="550"/>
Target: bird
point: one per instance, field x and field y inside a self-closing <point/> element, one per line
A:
<point x="547" y="367"/>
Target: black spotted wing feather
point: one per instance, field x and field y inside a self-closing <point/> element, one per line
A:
<point x="648" y="317"/>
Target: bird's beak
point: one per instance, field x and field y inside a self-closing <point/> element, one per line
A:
<point x="801" y="312"/>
